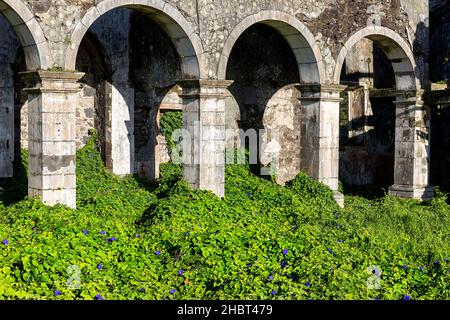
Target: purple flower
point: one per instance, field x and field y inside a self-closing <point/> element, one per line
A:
<point x="446" y="260"/>
<point x="57" y="293"/>
<point x="172" y="291"/>
<point x="100" y="267"/>
<point x="377" y="272"/>
<point x="249" y="265"/>
<point x="422" y="268"/>
<point x="180" y="273"/>
<point x="339" y="241"/>
<point x="142" y="290"/>
<point x="330" y="251"/>
<point x="283" y="264"/>
<point x="273" y="292"/>
<point x="158" y="252"/>
<point x="5" y="242"/>
<point x="406" y="298"/>
<point x="136" y="235"/>
<point x="249" y="194"/>
<point x="437" y="262"/>
<point x="377" y="299"/>
<point x="270" y="277"/>
<point x="85" y="232"/>
<point x="102" y="232"/>
<point x="285" y="251"/>
<point x="295" y="227"/>
<point x="404" y="267"/>
<point x="308" y="284"/>
<point x="98" y="297"/>
<point x="111" y="240"/>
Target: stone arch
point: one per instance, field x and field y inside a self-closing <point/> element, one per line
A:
<point x="299" y="38"/>
<point x="396" y="49"/>
<point x="29" y="32"/>
<point x="94" y="100"/>
<point x="182" y="34"/>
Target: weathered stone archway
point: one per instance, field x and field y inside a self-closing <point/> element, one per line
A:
<point x="29" y="32"/>
<point x="300" y="39"/>
<point x="186" y="41"/>
<point x="396" y="49"/>
<point x="319" y="128"/>
<point x="412" y="149"/>
<point x="189" y="49"/>
<point x="21" y="39"/>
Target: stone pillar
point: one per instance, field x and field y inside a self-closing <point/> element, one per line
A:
<point x="204" y="133"/>
<point x="120" y="130"/>
<point x="6" y="121"/>
<point x="320" y="134"/>
<point x="52" y="101"/>
<point x="412" y="148"/>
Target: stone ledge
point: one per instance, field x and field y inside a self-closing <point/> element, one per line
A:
<point x="51" y="81"/>
<point x="412" y="192"/>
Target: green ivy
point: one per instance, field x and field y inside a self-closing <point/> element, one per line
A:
<point x="132" y="241"/>
<point x="169" y="122"/>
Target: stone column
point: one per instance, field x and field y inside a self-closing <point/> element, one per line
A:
<point x="120" y="130"/>
<point x="204" y="133"/>
<point x="412" y="148"/>
<point x="320" y="134"/>
<point x="52" y="101"/>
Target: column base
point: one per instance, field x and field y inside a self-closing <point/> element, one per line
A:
<point x="65" y="197"/>
<point x="411" y="192"/>
<point x="339" y="197"/>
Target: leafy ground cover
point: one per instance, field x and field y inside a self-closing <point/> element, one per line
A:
<point x="129" y="239"/>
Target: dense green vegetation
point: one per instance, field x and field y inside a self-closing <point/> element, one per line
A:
<point x="169" y="122"/>
<point x="131" y="240"/>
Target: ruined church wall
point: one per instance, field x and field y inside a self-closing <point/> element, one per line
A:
<point x="330" y="21"/>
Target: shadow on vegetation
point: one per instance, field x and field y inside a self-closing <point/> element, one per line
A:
<point x="16" y="188"/>
<point x="371" y="192"/>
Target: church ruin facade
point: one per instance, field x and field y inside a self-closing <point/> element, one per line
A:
<point x="345" y="84"/>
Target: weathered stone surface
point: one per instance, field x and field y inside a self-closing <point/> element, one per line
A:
<point x="412" y="148"/>
<point x="282" y="118"/>
<point x="133" y="63"/>
<point x="52" y="136"/>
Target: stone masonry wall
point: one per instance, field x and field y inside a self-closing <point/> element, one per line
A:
<point x="143" y="65"/>
<point x="331" y="22"/>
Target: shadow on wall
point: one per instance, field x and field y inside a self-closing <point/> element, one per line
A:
<point x="421" y="53"/>
<point x="440" y="43"/>
<point x="13" y="116"/>
<point x="367" y="139"/>
<point x="260" y="64"/>
<point x="155" y="67"/>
